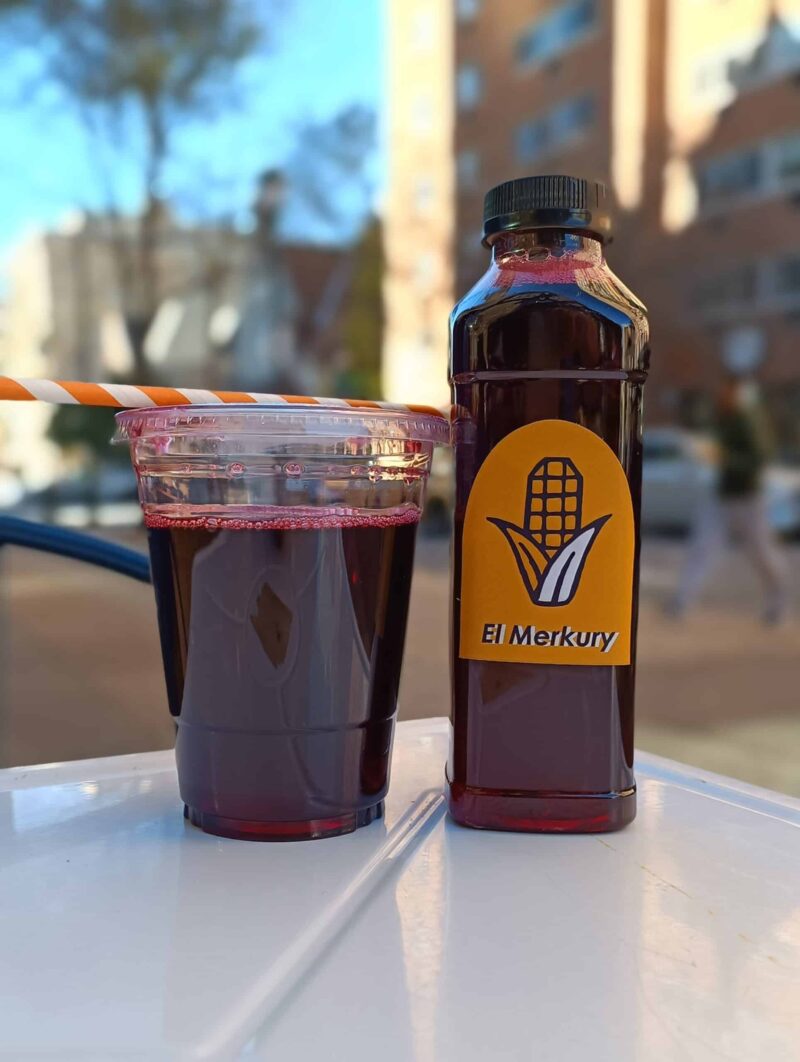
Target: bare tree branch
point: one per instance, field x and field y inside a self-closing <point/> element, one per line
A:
<point x="160" y="61"/>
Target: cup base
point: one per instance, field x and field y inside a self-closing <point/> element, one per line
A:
<point x="302" y="830"/>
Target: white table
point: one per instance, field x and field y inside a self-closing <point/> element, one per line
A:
<point x="128" y="934"/>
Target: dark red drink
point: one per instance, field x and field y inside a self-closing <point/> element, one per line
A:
<point x="282" y="656"/>
<point x="548" y="339"/>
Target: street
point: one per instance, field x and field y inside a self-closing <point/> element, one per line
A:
<point x="716" y="689"/>
<point x="80" y="670"/>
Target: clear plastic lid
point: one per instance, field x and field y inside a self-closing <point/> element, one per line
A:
<point x="328" y="419"/>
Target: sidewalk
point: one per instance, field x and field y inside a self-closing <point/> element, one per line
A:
<point x="80" y="671"/>
<point x="716" y="689"/>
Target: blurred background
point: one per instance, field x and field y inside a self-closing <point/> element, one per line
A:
<point x="286" y="196"/>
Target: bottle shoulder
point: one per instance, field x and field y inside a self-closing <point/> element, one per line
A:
<point x="593" y="289"/>
<point x="541" y="320"/>
<point x="596" y="291"/>
<point x="605" y="286"/>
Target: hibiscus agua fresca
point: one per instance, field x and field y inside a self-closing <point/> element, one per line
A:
<point x="281" y="544"/>
<point x="548" y="358"/>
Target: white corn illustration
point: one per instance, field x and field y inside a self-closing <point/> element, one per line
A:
<point x="551" y="548"/>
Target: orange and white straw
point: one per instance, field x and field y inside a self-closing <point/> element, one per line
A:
<point x="127" y="396"/>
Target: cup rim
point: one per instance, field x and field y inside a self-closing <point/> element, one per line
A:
<point x="332" y="419"/>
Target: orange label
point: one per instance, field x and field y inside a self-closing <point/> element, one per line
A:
<point x="548" y="549"/>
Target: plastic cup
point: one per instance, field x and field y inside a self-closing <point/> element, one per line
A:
<point x="281" y="545"/>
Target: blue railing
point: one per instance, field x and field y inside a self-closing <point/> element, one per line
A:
<point x="74" y="545"/>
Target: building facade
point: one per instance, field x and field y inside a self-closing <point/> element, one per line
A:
<point x="689" y="110"/>
<point x="71" y="303"/>
<point x="420" y="208"/>
<point x="27" y="459"/>
<point x="226" y="317"/>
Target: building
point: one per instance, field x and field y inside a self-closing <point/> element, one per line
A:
<point x="419" y="214"/>
<point x="27" y="459"/>
<point x="688" y="109"/>
<point x="71" y="306"/>
<point x="743" y="293"/>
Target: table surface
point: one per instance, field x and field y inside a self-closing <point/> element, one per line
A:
<point x="128" y="934"/>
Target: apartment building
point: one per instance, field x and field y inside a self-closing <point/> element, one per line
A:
<point x="419" y="213"/>
<point x="688" y="109"/>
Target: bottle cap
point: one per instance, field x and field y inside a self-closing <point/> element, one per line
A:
<point x="549" y="201"/>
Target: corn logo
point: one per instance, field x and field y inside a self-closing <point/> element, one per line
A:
<point x="548" y="551"/>
<point x="551" y="549"/>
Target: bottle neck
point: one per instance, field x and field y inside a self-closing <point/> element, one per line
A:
<point x="533" y="244"/>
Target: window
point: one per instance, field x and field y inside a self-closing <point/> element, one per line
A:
<point x="424" y="270"/>
<point x="766" y="284"/>
<point x="555" y="129"/>
<point x="771" y="167"/>
<point x="556" y="32"/>
<point x="423" y="195"/>
<point x="467" y="10"/>
<point x="531" y="139"/>
<point x="570" y="118"/>
<point x="711" y="83"/>
<point x="731" y="288"/>
<point x="730" y="176"/>
<point x="777" y="54"/>
<point x="468" y="168"/>
<point x="422" y="114"/>
<point x="787" y="275"/>
<point x="787" y="153"/>
<point x="422" y="29"/>
<point x="740" y="65"/>
<point x="469" y="86"/>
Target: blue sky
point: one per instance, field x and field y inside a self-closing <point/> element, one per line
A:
<point x="324" y="56"/>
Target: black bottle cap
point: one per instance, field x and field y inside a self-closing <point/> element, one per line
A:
<point x="549" y="201"/>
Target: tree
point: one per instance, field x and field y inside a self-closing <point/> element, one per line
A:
<point x="327" y="172"/>
<point x="153" y="63"/>
<point x="87" y="430"/>
<point x="362" y="331"/>
<point x="331" y="182"/>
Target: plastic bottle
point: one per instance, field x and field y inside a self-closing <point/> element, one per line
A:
<point x="549" y="353"/>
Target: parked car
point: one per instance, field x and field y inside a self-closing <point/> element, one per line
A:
<point x="437" y="519"/>
<point x="106" y="496"/>
<point x="679" y="476"/>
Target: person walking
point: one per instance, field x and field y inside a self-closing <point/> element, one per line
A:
<point x="737" y="509"/>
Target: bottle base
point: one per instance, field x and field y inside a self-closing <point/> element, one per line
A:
<point x="301" y="830"/>
<point x="491" y="809"/>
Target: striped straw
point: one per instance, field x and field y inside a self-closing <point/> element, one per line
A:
<point x="126" y="396"/>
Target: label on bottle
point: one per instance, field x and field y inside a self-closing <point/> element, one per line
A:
<point x="548" y="551"/>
